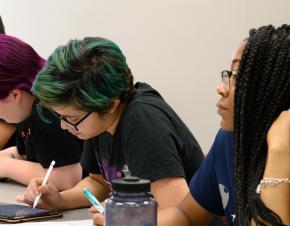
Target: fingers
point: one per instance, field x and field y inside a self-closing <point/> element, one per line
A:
<point x="36" y="181"/>
<point x="93" y="209"/>
<point x="98" y="219"/>
<point x="48" y="188"/>
<point x="32" y="190"/>
<point x="22" y="199"/>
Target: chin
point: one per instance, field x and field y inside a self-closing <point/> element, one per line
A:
<point x="80" y="136"/>
<point x="83" y="136"/>
<point x="227" y="126"/>
<point x="13" y="121"/>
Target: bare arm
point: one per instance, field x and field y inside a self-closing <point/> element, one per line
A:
<point x="278" y="166"/>
<point x="186" y="213"/>
<point x="74" y="198"/>
<point x="6" y="131"/>
<point x="69" y="199"/>
<point x="23" y="171"/>
<point x="15" y="167"/>
<point x="169" y="192"/>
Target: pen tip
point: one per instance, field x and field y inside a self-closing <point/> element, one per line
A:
<point x="52" y="163"/>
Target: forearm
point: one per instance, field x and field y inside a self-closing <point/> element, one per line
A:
<point x="187" y="213"/>
<point x="66" y="177"/>
<point x="171" y="217"/>
<point x="21" y="171"/>
<point x="11" y="152"/>
<point x="277" y="197"/>
<point x="74" y="198"/>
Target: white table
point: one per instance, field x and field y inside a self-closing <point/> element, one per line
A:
<point x="10" y="190"/>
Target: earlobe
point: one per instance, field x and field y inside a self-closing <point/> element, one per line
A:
<point x="115" y="105"/>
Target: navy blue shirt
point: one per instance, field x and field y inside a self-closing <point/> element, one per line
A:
<point x="213" y="184"/>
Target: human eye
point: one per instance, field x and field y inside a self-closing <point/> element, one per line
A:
<point x="73" y="119"/>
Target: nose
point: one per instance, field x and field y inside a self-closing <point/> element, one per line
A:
<point x="221" y="90"/>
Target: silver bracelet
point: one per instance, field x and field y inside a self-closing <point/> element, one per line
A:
<point x="269" y="181"/>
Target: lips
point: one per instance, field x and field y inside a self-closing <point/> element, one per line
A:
<point x="221" y="108"/>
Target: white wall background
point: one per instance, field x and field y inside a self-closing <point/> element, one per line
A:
<point x="177" y="46"/>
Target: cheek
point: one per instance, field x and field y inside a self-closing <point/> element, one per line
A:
<point x="8" y="113"/>
<point x="92" y="128"/>
<point x="231" y="99"/>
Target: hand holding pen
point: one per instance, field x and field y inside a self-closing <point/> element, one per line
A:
<point x="44" y="183"/>
<point x="94" y="200"/>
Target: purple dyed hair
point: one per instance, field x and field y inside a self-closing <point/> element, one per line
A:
<point x="19" y="65"/>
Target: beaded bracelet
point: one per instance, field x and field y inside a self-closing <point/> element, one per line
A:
<point x="268" y="181"/>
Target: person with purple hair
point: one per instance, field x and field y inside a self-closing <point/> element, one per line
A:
<point x="7" y="131"/>
<point x="38" y="141"/>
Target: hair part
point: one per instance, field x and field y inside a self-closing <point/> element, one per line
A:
<point x="88" y="74"/>
<point x="262" y="93"/>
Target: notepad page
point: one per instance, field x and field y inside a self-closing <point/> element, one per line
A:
<point x="58" y="223"/>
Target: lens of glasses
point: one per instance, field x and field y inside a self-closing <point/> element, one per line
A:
<point x="226" y="74"/>
<point x="225" y="79"/>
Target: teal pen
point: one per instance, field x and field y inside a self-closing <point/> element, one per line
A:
<point x="93" y="200"/>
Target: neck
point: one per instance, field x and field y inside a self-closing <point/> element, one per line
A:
<point x="116" y="118"/>
<point x="28" y="102"/>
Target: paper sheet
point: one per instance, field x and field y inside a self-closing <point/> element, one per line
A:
<point x="57" y="223"/>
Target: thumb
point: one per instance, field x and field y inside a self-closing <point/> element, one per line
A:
<point x="20" y="198"/>
<point x="93" y="209"/>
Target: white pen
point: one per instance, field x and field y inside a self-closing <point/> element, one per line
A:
<point x="44" y="183"/>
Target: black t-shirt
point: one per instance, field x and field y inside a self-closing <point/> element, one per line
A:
<point x="151" y="141"/>
<point x="43" y="142"/>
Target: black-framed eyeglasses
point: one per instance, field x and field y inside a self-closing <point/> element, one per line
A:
<point x="72" y="125"/>
<point x="226" y="78"/>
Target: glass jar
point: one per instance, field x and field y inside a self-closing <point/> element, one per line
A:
<point x="131" y="204"/>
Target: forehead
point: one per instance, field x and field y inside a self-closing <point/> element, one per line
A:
<point x="66" y="110"/>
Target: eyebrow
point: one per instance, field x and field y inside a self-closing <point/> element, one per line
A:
<point x="236" y="61"/>
<point x="70" y="116"/>
<point x="66" y="116"/>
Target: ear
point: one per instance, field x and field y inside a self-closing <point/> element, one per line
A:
<point x="115" y="104"/>
<point x="16" y="94"/>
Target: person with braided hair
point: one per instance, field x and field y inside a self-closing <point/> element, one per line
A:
<point x="262" y="93"/>
<point x="245" y="176"/>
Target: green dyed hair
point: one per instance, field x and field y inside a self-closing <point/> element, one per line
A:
<point x="88" y="74"/>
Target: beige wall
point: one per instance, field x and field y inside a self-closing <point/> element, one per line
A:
<point x="178" y="46"/>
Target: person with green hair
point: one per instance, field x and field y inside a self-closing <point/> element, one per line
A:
<point x="129" y="128"/>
